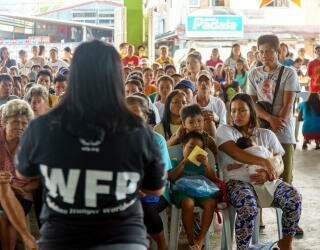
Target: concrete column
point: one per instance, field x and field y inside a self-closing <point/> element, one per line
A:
<point x="151" y="35"/>
<point x="309" y="46"/>
<point x="204" y="4"/>
<point x="134" y="21"/>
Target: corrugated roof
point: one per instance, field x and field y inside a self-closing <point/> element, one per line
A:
<point x="57" y="21"/>
<point x="79" y="5"/>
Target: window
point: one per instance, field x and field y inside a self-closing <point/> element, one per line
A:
<point x="162" y="27"/>
<point x="216" y="3"/>
<point x="106" y="21"/>
<point x="106" y="15"/>
<point x="278" y="3"/>
<point x="83" y="14"/>
<point x="194" y="3"/>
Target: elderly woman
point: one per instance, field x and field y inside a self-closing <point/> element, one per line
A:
<point x="242" y="194"/>
<point x="38" y="96"/>
<point x="16" y="115"/>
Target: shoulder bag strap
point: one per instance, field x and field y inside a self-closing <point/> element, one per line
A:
<point x="277" y="85"/>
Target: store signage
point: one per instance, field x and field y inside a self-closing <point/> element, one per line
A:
<point x="30" y="41"/>
<point x="214" y="26"/>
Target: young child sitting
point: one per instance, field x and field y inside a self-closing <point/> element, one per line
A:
<point x="242" y="172"/>
<point x="186" y="203"/>
<point x="193" y="119"/>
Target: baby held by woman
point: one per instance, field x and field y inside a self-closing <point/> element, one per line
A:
<point x="242" y="172"/>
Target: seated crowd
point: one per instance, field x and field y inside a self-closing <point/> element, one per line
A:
<point x="209" y="107"/>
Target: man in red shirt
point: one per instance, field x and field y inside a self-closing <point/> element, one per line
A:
<point x="314" y="72"/>
<point x="130" y="59"/>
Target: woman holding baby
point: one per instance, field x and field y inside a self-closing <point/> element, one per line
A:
<point x="242" y="186"/>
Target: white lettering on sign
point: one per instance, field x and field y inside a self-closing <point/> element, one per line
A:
<point x="213" y="24"/>
<point x="55" y="207"/>
<point x="125" y="183"/>
<point x="56" y="181"/>
<point x="93" y="188"/>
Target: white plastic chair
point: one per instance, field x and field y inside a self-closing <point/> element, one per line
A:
<point x="175" y="228"/>
<point x="228" y="227"/>
<point x="175" y="153"/>
<point x="229" y="215"/>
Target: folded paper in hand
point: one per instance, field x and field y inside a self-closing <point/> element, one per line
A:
<point x="193" y="155"/>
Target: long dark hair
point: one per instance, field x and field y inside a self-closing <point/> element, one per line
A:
<point x="243" y="71"/>
<point x="196" y="55"/>
<point x="232" y="47"/>
<point x="1" y="52"/>
<point x="313" y="102"/>
<point x="95" y="95"/>
<point x="166" y="119"/>
<point x="253" y="122"/>
<point x="163" y="78"/>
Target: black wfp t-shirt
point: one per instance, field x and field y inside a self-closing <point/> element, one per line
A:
<point x="90" y="186"/>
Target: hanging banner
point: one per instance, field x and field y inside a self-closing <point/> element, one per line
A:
<point x="266" y="2"/>
<point x="297" y="2"/>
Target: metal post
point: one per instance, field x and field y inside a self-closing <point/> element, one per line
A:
<point x="84" y="33"/>
<point x="151" y="36"/>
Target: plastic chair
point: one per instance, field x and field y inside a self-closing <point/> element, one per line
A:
<point x="175" y="153"/>
<point x="255" y="236"/>
<point x="164" y="218"/>
<point x="228" y="227"/>
<point x="175" y="228"/>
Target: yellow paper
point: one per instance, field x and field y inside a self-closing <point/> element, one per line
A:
<point x="193" y="155"/>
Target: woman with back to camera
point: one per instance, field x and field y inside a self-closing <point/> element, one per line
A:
<point x="98" y="154"/>
<point x="309" y="113"/>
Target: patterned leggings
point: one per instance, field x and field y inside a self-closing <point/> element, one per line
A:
<point x="244" y="200"/>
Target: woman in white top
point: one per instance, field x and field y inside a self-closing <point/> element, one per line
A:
<point x="241" y="194"/>
<point x="234" y="57"/>
<point x="165" y="86"/>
